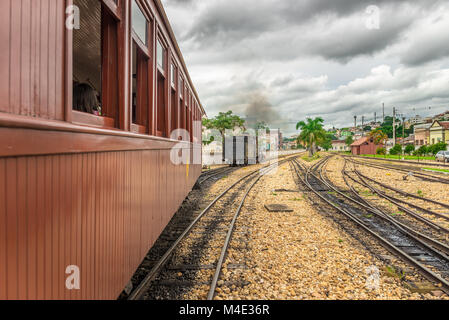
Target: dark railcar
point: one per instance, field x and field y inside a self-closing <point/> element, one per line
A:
<point x="88" y="188"/>
<point x="240" y="150"/>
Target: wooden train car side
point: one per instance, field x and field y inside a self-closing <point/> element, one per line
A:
<point x="88" y="191"/>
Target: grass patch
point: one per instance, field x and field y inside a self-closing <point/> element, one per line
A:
<point x="436" y="169"/>
<point x="296" y="199"/>
<point x="420" y="193"/>
<point x="316" y="156"/>
<point x="340" y="241"/>
<point x="274" y="194"/>
<point x="397" y="157"/>
<point x="367" y="193"/>
<point x="395" y="272"/>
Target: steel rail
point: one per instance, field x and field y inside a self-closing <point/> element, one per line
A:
<point x="406" y="194"/>
<point x="429" y="243"/>
<point x="435" y="163"/>
<point x="224" y="250"/>
<point x="417" y="174"/>
<point x="430" y="275"/>
<point x="214" y="174"/>
<point x="138" y="293"/>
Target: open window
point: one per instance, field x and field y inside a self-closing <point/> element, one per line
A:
<point x="161" y="98"/>
<point x="174" y="105"/>
<point x="95" y="64"/>
<point x="140" y="71"/>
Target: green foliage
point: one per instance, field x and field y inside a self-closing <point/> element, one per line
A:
<point x="381" y="151"/>
<point x="224" y="121"/>
<point x="409" y="149"/>
<point x="397" y="149"/>
<point x="326" y="144"/>
<point x="423" y="150"/>
<point x="379" y="137"/>
<point x="349" y="140"/>
<point x="435" y="148"/>
<point x="367" y="128"/>
<point x="312" y="133"/>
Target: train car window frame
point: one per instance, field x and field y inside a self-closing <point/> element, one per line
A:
<point x="162" y="122"/>
<point x="141" y="60"/>
<point x="108" y="116"/>
<point x="174" y="95"/>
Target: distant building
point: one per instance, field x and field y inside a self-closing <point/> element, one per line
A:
<point x="442" y="116"/>
<point x="365" y="145"/>
<point x="439" y="131"/>
<point x="339" y="145"/>
<point x="422" y="134"/>
<point x="416" y="119"/>
<point x="409" y="140"/>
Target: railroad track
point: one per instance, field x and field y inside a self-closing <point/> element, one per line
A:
<point x="425" y="254"/>
<point x="418" y="174"/>
<point x="206" y="176"/>
<point x="400" y="197"/>
<point x="203" y="245"/>
<point x="422" y="163"/>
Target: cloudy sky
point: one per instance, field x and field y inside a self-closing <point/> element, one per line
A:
<point x="281" y="61"/>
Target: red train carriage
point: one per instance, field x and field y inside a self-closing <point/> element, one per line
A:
<point x="86" y="115"/>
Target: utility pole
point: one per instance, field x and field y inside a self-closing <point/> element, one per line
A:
<point x="394" y="126"/>
<point x="375" y="117"/>
<point x="355" y="122"/>
<point x="403" y="125"/>
<point x="363" y="121"/>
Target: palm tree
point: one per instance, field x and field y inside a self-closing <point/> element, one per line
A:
<point x="312" y="133"/>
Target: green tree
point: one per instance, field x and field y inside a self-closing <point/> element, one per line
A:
<point x="381" y="151"/>
<point x="224" y="121"/>
<point x="326" y="144"/>
<point x="312" y="133"/>
<point x="379" y="136"/>
<point x="397" y="149"/>
<point x="349" y="140"/>
<point x="435" y="148"/>
<point x="409" y="149"/>
<point x="423" y="150"/>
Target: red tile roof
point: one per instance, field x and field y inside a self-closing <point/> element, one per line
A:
<point x="359" y="142"/>
<point x="444" y="124"/>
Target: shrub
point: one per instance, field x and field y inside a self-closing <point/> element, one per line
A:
<point x="423" y="150"/>
<point x="381" y="151"/>
<point x="397" y="149"/>
<point x="435" y="148"/>
<point x="409" y="148"/>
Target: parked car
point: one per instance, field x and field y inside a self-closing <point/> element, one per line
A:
<point x="442" y="156"/>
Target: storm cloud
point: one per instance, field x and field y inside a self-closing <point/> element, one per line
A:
<point x="296" y="58"/>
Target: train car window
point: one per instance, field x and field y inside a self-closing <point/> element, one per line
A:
<point x="161" y="90"/>
<point x="140" y="98"/>
<point x="181" y="87"/>
<point x="174" y="98"/>
<point x="161" y="125"/>
<point x="139" y="23"/>
<point x="95" y="100"/>
<point x="140" y="71"/>
<point x="161" y="52"/>
<point x="173" y="74"/>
